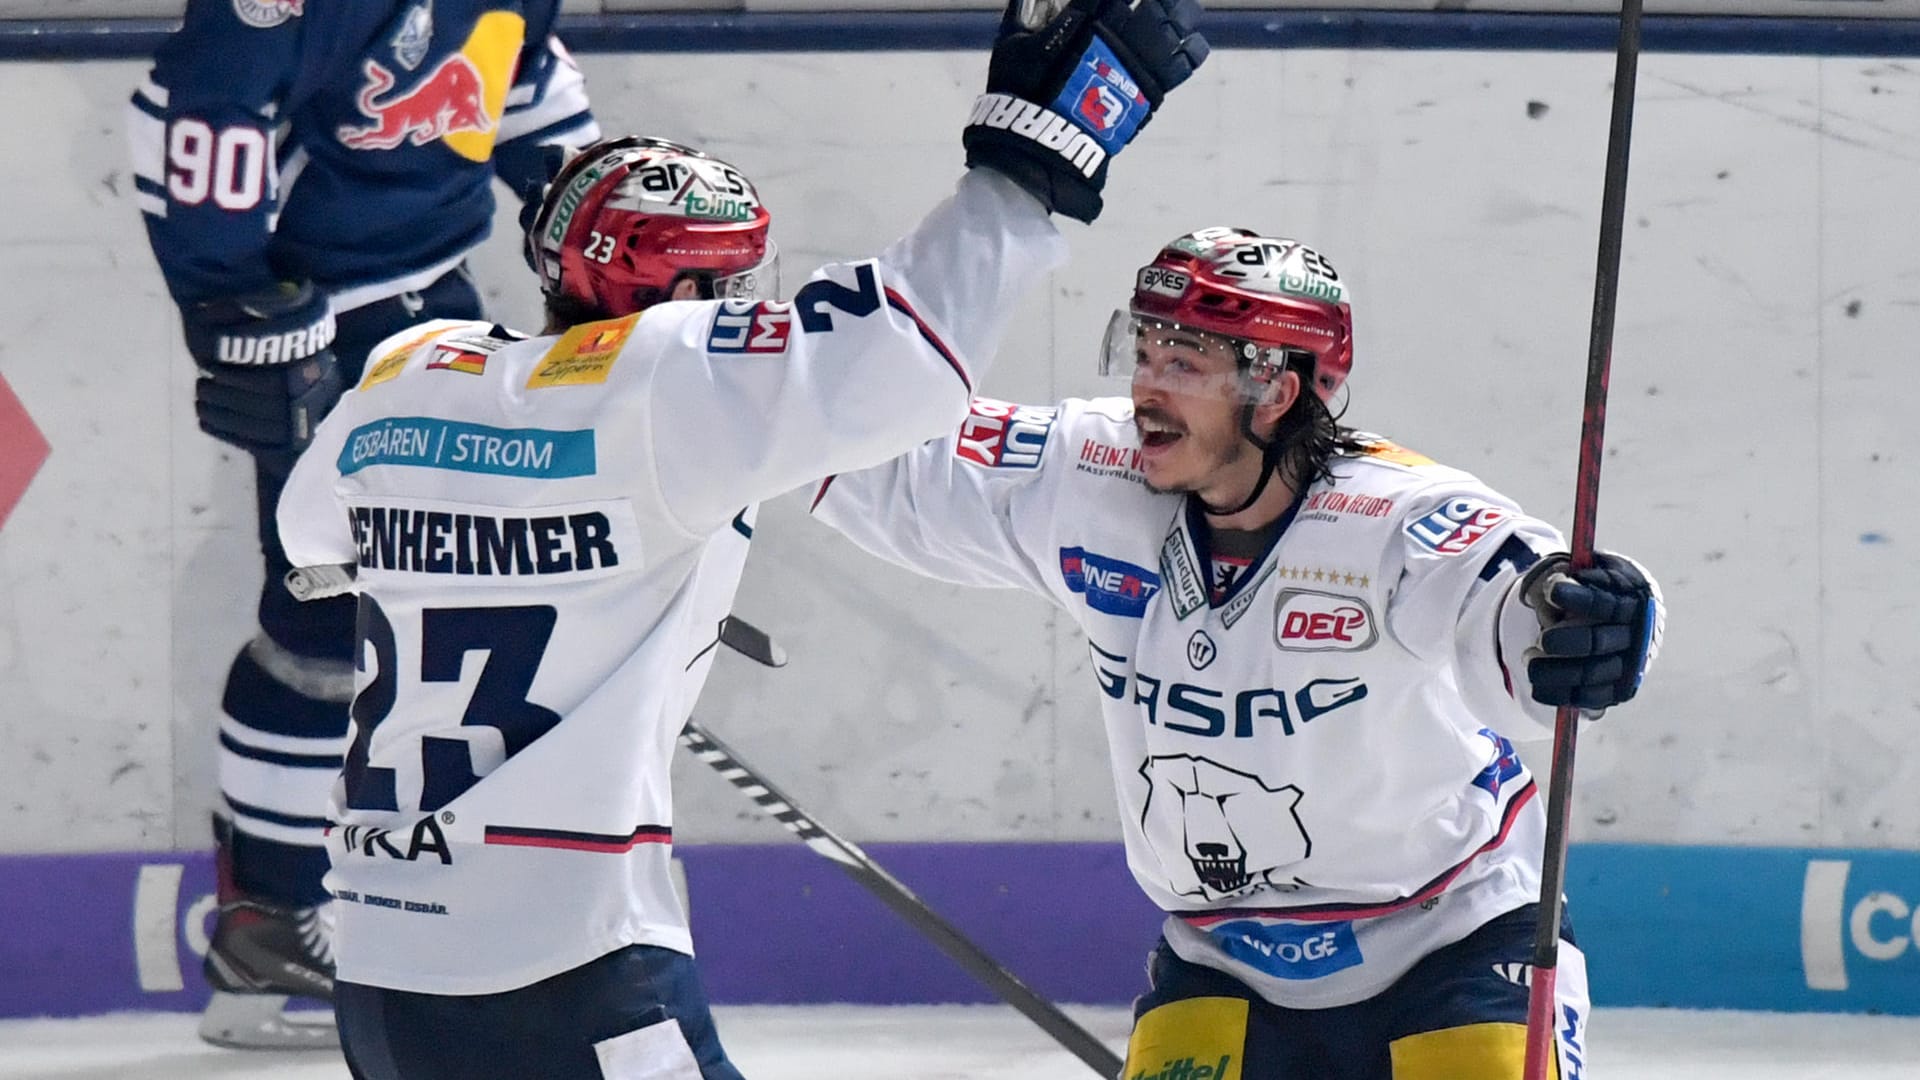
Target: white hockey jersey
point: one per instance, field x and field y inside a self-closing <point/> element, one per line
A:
<point x="548" y="533"/>
<point x="1312" y="776"/>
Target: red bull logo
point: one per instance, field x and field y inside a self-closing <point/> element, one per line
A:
<point x="452" y="98"/>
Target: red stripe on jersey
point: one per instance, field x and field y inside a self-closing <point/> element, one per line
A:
<point x="578" y="841"/>
<point x="1343" y="912"/>
<point x="821" y="494"/>
<point x="900" y="303"/>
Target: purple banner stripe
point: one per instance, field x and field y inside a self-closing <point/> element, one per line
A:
<point x="99" y="933"/>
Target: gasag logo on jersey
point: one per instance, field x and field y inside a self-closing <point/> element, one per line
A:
<point x="1289" y="950"/>
<point x="584" y="355"/>
<point x="266" y="14"/>
<point x="1455" y="525"/>
<point x="1308" y="621"/>
<point x="1504" y="767"/>
<point x="432" y="443"/>
<point x="1002" y="435"/>
<point x="749" y="326"/>
<point x="1102" y="98"/>
<point x="1111" y="586"/>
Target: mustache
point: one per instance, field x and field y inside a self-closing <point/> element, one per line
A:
<point x="1148" y="412"/>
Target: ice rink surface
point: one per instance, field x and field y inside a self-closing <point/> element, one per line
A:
<point x="974" y="1042"/>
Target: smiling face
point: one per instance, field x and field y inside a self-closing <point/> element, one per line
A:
<point x="1188" y="396"/>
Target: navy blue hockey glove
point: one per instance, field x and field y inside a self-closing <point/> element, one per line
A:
<point x="267" y="375"/>
<point x="1067" y="92"/>
<point x="1600" y="628"/>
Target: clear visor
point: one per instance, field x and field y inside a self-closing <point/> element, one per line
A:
<point x="758" y="282"/>
<point x="1177" y="359"/>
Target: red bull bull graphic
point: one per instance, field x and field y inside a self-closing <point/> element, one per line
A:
<point x="451" y="98"/>
<point x="457" y="103"/>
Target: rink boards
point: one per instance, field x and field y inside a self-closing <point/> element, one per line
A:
<point x="1694" y="927"/>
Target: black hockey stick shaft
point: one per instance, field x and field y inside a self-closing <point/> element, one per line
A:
<point x="1541" y="1018"/>
<point x="896" y="895"/>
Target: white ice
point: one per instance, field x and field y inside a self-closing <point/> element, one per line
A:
<point x="965" y="1042"/>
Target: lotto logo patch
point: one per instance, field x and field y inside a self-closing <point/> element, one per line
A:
<point x="746" y="326"/>
<point x="1308" y="621"/>
<point x="1111" y="586"/>
<point x="1001" y="435"/>
<point x="1455" y="525"/>
<point x="1103" y="99"/>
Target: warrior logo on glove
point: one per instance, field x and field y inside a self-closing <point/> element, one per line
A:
<point x="1070" y="85"/>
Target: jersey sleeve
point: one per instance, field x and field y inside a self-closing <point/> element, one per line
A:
<point x="201" y="133"/>
<point x="970" y="508"/>
<point x="867" y="361"/>
<point x="1458" y="554"/>
<point x="546" y="107"/>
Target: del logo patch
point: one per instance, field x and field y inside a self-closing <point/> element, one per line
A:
<point x="1000" y="435"/>
<point x="1455" y="525"/>
<point x="1309" y="621"/>
<point x="583" y="355"/>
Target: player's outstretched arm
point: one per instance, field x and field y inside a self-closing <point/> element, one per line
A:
<point x="880" y="356"/>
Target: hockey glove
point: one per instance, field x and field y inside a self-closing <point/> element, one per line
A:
<point x="267" y="376"/>
<point x="1600" y="629"/>
<point x="1067" y="90"/>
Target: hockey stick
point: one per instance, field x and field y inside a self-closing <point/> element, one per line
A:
<point x="891" y="892"/>
<point x="1541" y="1012"/>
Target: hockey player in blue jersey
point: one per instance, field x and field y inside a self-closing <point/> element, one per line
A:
<point x="313" y="176"/>
<point x="547" y="532"/>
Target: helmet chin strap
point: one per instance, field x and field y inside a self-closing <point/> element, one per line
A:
<point x="1269" y="464"/>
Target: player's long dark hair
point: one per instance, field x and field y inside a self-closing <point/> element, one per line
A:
<point x="1310" y="435"/>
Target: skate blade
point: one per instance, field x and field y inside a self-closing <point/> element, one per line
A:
<point x="262" y="1022"/>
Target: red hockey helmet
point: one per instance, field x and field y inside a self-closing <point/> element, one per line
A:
<point x="627" y="218"/>
<point x="1266" y="296"/>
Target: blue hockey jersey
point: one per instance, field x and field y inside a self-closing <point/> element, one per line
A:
<point x="350" y="144"/>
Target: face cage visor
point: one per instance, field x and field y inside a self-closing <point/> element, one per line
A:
<point x="760" y="281"/>
<point x="1177" y="359"/>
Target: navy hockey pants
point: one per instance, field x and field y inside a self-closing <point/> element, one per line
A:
<point x="562" y="1028"/>
<point x="288" y="690"/>
<point x="1458" y="1014"/>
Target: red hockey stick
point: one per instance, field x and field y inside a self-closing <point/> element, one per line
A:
<point x="1541" y="1012"/>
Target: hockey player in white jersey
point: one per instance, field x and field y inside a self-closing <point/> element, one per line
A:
<point x="546" y="535"/>
<point x="1310" y="645"/>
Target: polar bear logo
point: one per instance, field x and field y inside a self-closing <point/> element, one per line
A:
<point x="1220" y="832"/>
